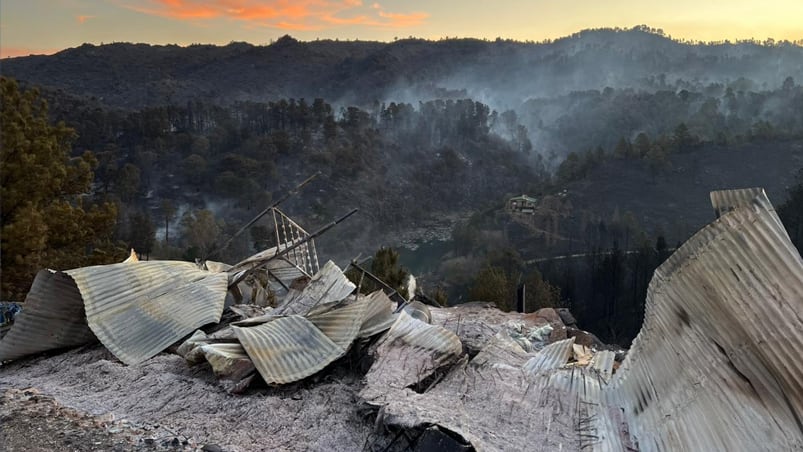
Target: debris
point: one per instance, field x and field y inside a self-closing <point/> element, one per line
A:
<point x="329" y="285"/>
<point x="472" y="376"/>
<point x="136" y="309"/>
<point x="408" y="354"/>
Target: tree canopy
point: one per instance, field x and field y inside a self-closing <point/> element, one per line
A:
<point x="48" y="218"/>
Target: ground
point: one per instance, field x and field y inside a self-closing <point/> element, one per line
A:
<point x="86" y="400"/>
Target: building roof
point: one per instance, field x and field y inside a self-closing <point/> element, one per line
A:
<point x="523" y="198"/>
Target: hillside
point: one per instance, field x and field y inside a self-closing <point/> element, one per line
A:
<point x="620" y="130"/>
<point x="499" y="73"/>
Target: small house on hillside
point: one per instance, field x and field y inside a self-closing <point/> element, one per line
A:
<point x="521" y="204"/>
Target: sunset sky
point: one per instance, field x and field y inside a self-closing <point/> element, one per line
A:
<point x="47" y="26"/>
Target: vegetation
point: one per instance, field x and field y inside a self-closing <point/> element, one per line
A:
<point x="49" y="218"/>
<point x="181" y="143"/>
<point x="791" y="213"/>
<point x="385" y="266"/>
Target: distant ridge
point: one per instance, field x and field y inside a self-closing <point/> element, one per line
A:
<point x="359" y="72"/>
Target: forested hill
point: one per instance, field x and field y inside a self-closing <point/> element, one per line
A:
<point x="500" y="73"/>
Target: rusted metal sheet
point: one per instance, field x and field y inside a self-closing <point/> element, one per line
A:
<point x="52" y="317"/>
<point x="288" y="349"/>
<point x="138" y="309"/>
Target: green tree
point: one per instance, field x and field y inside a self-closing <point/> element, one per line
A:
<point x="128" y="182"/>
<point x="200" y="232"/>
<point x="492" y="284"/>
<point x="47" y="221"/>
<point x="682" y="138"/>
<point x="385" y="266"/>
<point x="623" y="149"/>
<point x="539" y="293"/>
<point x="642" y="144"/>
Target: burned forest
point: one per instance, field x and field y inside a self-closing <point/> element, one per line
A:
<point x="584" y="243"/>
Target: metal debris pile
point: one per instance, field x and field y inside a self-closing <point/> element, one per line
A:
<point x="710" y="370"/>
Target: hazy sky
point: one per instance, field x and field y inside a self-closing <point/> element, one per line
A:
<point x="46" y="26"/>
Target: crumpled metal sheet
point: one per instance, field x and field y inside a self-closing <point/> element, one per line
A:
<point x="136" y="309"/>
<point x="342" y="324"/>
<point x="408" y="353"/>
<point x="715" y="366"/>
<point x="288" y="349"/>
<point x="551" y="357"/>
<point x="53" y="317"/>
<point x="327" y="286"/>
<point x="488" y="402"/>
<point x="724" y="201"/>
<point x="379" y="314"/>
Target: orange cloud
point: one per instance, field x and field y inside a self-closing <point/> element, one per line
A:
<point x="284" y="14"/>
<point x="82" y="19"/>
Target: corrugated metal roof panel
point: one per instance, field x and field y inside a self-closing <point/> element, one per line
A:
<point x="139" y="309"/>
<point x="423" y="335"/>
<point x="53" y="317"/>
<point x="288" y="349"/>
<point x="603" y="363"/>
<point x="550" y="357"/>
<point x="341" y="324"/>
<point x="726" y="200"/>
<point x="715" y="366"/>
<point x="379" y="316"/>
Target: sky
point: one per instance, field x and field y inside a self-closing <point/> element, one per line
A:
<point x="47" y="26"/>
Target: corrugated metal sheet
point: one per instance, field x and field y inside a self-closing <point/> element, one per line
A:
<point x="138" y="309"/>
<point x="716" y="365"/>
<point x="342" y="324"/>
<point x="288" y="349"/>
<point x="501" y="350"/>
<point x="550" y="357"/>
<point x="423" y="336"/>
<point x="326" y="286"/>
<point x="379" y="315"/>
<point x="603" y="364"/>
<point x="408" y="354"/>
<point x="724" y="201"/>
<point x="53" y="317"/>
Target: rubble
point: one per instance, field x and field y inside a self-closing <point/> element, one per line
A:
<point x="712" y="368"/>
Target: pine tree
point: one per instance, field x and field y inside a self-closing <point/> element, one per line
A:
<point x="48" y="221"/>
